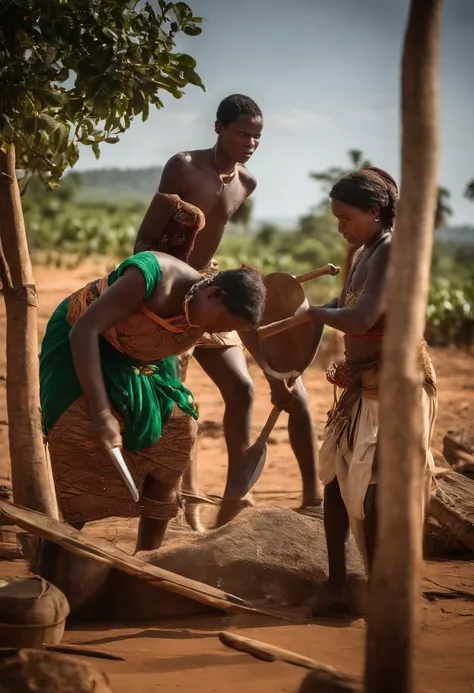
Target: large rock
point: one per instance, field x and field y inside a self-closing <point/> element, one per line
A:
<point x="266" y="555"/>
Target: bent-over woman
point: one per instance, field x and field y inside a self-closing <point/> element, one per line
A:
<point x="108" y="379"/>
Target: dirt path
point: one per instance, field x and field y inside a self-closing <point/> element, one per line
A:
<point x="173" y="656"/>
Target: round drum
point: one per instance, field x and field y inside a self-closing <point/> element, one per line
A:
<point x="32" y="612"/>
<point x="296" y="348"/>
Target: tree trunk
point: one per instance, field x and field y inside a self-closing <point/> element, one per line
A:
<point x="31" y="474"/>
<point x="393" y="614"/>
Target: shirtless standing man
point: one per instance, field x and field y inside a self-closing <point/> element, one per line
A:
<point x="198" y="193"/>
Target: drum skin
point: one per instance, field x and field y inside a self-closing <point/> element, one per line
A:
<point x="296" y="348"/>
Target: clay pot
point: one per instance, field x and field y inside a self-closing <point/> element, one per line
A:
<point x="32" y="612"/>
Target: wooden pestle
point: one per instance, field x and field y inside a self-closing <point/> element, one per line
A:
<point x="253" y="461"/>
<point x="330" y="269"/>
<point x="282" y="325"/>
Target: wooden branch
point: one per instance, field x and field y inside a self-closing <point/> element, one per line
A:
<point x="100" y="550"/>
<point x="271" y="653"/>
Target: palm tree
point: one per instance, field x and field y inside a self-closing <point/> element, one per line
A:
<point x="332" y="175"/>
<point x="469" y="192"/>
<point x="443" y="210"/>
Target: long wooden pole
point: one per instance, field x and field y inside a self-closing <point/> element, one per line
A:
<point x="31" y="477"/>
<point x="394" y="604"/>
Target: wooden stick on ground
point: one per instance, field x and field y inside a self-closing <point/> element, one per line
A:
<point x="271" y="653"/>
<point x="323" y="678"/>
<point x="83" y="544"/>
<point x="6" y="652"/>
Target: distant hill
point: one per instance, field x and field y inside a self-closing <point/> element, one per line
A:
<point x="138" y="184"/>
<point x="457" y="235"/>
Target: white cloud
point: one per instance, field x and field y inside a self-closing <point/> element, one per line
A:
<point x="146" y="144"/>
<point x="180" y="119"/>
<point x="296" y="121"/>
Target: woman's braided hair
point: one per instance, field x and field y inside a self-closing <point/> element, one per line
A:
<point x="243" y="292"/>
<point x="367" y="188"/>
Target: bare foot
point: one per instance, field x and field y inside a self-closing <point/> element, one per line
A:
<point x="325" y="601"/>
<point x="312" y="508"/>
<point x="192" y="513"/>
<point x="229" y="509"/>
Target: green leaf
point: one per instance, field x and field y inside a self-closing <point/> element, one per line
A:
<point x="42" y="139"/>
<point x="183" y="9"/>
<point x="110" y="34"/>
<point x="59" y="137"/>
<point x="72" y="153"/>
<point x="184" y="60"/>
<point x="112" y="140"/>
<point x="53" y="183"/>
<point x="6" y="129"/>
<point x="101" y="107"/>
<point x="47" y="122"/>
<point x="96" y="150"/>
<point x="191" y="30"/>
<point x="193" y="78"/>
<point x="87" y="126"/>
<point x="74" y="106"/>
<point x="138" y="102"/>
<point x="49" y="97"/>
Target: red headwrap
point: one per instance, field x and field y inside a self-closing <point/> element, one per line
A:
<point x="383" y="174"/>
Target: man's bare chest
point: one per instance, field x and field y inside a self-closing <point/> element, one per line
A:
<point x="217" y="202"/>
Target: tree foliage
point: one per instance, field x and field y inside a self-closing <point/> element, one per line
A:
<point x="63" y="229"/>
<point x="357" y="160"/>
<point x="469" y="192"/>
<point x="79" y="71"/>
<point x="331" y="175"/>
<point x="243" y="215"/>
<point x="443" y="210"/>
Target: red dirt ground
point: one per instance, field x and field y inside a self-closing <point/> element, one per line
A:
<point x="174" y="656"/>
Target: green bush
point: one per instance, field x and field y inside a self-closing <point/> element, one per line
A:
<point x="83" y="230"/>
<point x="58" y="227"/>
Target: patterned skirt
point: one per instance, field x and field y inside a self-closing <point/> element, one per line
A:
<point x="88" y="485"/>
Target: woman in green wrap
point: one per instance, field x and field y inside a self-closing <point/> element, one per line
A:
<point x="108" y="379"/>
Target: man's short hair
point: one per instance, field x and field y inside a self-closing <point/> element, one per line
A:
<point x="234" y="106"/>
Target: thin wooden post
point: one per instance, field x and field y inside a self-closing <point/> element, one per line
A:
<point x="394" y="605"/>
<point x="31" y="475"/>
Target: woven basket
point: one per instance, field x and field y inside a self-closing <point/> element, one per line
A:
<point x="32" y="612"/>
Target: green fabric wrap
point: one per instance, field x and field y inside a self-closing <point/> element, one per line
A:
<point x="144" y="401"/>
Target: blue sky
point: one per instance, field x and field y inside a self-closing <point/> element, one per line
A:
<point x="326" y="76"/>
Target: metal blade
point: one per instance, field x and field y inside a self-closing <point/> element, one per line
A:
<point x="119" y="462"/>
<point x="248" y="472"/>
